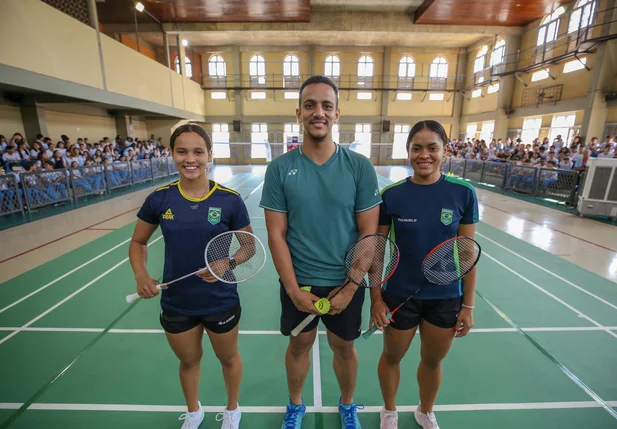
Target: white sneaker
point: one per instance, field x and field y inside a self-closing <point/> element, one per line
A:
<point x="426" y="420"/>
<point x="192" y="420"/>
<point x="231" y="419"/>
<point x="389" y="419"/>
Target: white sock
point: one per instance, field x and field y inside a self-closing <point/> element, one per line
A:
<point x="389" y="413"/>
<point x="233" y="411"/>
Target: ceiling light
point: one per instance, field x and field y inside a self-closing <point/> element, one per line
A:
<point x="140" y="7"/>
<point x="185" y="42"/>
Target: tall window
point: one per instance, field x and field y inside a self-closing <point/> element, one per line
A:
<point x="478" y="64"/>
<point x="220" y="138"/>
<point x="406" y="72"/>
<point x="291" y="72"/>
<point x="471" y="130"/>
<point x="399" y="150"/>
<point x="332" y="68"/>
<point x="187" y="63"/>
<point x="257" y="71"/>
<point x="335" y="133"/>
<point x="217" y="71"/>
<point x="438" y="73"/>
<point x="486" y="133"/>
<point x="549" y="27"/>
<point x="259" y="141"/>
<point x="366" y="67"/>
<point x="498" y="56"/>
<point x="582" y="15"/>
<point x="362" y="140"/>
<point x="561" y="126"/>
<point x="531" y="129"/>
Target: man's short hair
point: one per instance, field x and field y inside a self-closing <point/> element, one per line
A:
<point x="319" y="79"/>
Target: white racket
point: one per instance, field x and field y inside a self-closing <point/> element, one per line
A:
<point x="231" y="257"/>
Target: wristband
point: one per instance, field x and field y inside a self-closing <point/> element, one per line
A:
<point x="469" y="306"/>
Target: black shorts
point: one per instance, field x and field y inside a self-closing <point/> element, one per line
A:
<point x="219" y="323"/>
<point x="345" y="325"/>
<point x="442" y="313"/>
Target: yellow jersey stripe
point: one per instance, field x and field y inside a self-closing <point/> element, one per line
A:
<point x="197" y="200"/>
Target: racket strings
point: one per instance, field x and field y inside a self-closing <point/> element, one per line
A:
<point x="371" y="260"/>
<point x="244" y="247"/>
<point x="451" y="260"/>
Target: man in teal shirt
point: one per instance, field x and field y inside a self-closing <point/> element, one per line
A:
<point x="319" y="199"/>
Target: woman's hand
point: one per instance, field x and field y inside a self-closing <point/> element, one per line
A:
<point x="146" y="287"/>
<point x="464" y="322"/>
<point x="379" y="315"/>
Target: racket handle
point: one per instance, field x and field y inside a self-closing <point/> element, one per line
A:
<point x="135" y="296"/>
<point x="371" y="331"/>
<point x="303" y="324"/>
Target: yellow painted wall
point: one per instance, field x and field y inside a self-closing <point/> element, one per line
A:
<point x="130" y="73"/>
<point x="75" y="126"/>
<point x="10" y="121"/>
<point x="270" y="107"/>
<point x="417" y="107"/>
<point x="41" y="39"/>
<point x="194" y="97"/>
<point x="225" y="107"/>
<point x="612" y="115"/>
<point x="140" y="130"/>
<point x="350" y="105"/>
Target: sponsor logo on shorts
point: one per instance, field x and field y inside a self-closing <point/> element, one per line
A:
<point x="400" y="219"/>
<point x="224" y="322"/>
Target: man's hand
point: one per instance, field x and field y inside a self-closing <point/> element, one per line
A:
<point x="342" y="300"/>
<point x="304" y="301"/>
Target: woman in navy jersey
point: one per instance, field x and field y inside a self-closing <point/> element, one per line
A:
<point x="421" y="212"/>
<point x="191" y="211"/>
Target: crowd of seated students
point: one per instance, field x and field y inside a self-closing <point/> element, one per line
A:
<point x="554" y="159"/>
<point x="538" y="154"/>
<point x="88" y="163"/>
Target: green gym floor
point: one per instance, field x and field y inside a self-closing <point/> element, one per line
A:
<point x="542" y="354"/>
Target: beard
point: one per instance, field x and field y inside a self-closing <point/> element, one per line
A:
<point x="319" y="138"/>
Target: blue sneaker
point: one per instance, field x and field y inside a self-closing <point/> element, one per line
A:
<point x="294" y="416"/>
<point x="349" y="418"/>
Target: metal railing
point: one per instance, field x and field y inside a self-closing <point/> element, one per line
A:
<point x="39" y="189"/>
<point x="556" y="184"/>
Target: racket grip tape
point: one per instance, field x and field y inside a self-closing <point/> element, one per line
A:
<point x="296" y="331"/>
<point x="371" y="331"/>
<point x="135" y="296"/>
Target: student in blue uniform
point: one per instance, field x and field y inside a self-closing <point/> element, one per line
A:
<point x="319" y="199"/>
<point x="190" y="212"/>
<point x="420" y="212"/>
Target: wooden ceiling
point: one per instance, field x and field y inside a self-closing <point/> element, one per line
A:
<point x="484" y="12"/>
<point x="121" y="11"/>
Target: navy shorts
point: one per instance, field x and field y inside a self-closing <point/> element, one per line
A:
<point x="345" y="325"/>
<point x="442" y="313"/>
<point x="219" y="323"/>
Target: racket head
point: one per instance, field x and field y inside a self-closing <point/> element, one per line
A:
<point x="372" y="260"/>
<point x="451" y="260"/>
<point x="246" y="247"/>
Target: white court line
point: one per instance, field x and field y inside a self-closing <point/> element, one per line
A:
<point x="310" y="409"/>
<point x="249" y="332"/>
<point x="43" y="314"/>
<point x="602" y="300"/>
<point x="62" y="276"/>
<point x="317" y="401"/>
<point x="559" y="300"/>
<point x="92" y="260"/>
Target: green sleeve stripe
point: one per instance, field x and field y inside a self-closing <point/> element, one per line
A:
<point x="460" y="182"/>
<point x="400" y="182"/>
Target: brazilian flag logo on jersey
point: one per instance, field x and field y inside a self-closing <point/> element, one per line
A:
<point x="214" y="215"/>
<point x="446" y="216"/>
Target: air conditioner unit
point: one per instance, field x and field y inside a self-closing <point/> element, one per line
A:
<point x="599" y="194"/>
